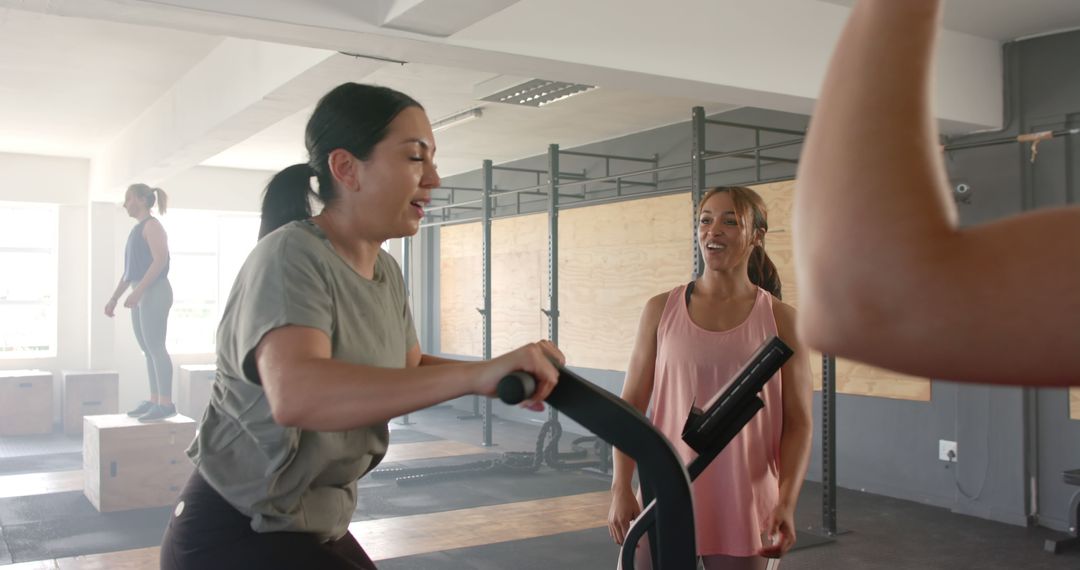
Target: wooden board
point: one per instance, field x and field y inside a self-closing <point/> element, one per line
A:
<point x="519" y="281"/>
<point x="28" y="484"/>
<point x="135" y="559"/>
<point x="851" y="377"/>
<point x="435" y="532"/>
<point x="1074" y="403"/>
<point x="612" y="259"/>
<point x="395" y="537"/>
<point x="430" y="449"/>
<point x="460" y="290"/>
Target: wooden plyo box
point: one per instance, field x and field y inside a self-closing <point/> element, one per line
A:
<point x="88" y="393"/>
<point x="133" y="465"/>
<point x="193" y="388"/>
<point x="26" y="398"/>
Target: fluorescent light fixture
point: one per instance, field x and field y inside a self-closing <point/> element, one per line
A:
<point x="457" y="119"/>
<point x="538" y="92"/>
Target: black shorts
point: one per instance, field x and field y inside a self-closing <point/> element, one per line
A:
<point x="209" y="533"/>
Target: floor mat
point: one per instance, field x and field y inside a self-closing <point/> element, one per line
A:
<point x="378" y="499"/>
<point x="40" y="463"/>
<point x="66" y="524"/>
<point x="588" y="549"/>
<point x="5" y="554"/>
<point x="56" y="442"/>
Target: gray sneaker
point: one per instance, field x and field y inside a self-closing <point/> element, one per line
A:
<point x="143" y="407"/>
<point x="158" y="413"/>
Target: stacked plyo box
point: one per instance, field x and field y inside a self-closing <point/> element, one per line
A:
<point x="133" y="465"/>
<point x="193" y="388"/>
<point x="26" y="402"/>
<point x="88" y="393"/>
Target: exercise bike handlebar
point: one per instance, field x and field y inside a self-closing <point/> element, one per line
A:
<point x="665" y="483"/>
<point x="621" y="425"/>
<point x="516" y="387"/>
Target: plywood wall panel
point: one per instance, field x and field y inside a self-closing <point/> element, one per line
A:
<point x="612" y="259"/>
<point x="460" y="326"/>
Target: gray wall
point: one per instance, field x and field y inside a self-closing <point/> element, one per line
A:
<point x="1010" y="441"/>
<point x="1049" y="97"/>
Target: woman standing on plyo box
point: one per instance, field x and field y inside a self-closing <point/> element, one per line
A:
<point x="146" y="270"/>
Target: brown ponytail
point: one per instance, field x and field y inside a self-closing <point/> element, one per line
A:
<point x="162" y="200"/>
<point x="150" y="196"/>
<point x="763" y="273"/>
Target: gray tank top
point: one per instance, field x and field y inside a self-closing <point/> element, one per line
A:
<point x="137" y="255"/>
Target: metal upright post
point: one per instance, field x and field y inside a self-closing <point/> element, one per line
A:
<point x="406" y="271"/>
<point x="828" y="446"/>
<point x="757" y="155"/>
<point x="553" y="253"/>
<point x="697" y="176"/>
<point x="485" y="224"/>
<point x="1070" y="192"/>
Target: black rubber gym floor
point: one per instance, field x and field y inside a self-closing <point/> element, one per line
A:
<point x="66" y="524"/>
<point x="890" y="533"/>
<point x="587" y="550"/>
<point x="381" y="499"/>
<point x="886" y="533"/>
<point x="41" y="463"/>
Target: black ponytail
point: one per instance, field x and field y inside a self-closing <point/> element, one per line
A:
<point x="353" y="117"/>
<point x="287" y="198"/>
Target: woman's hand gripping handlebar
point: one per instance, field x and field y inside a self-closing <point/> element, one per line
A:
<point x="529" y="372"/>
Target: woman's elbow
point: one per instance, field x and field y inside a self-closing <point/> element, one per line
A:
<point x="839" y="322"/>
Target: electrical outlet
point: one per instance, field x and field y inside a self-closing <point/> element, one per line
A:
<point x="947" y="450"/>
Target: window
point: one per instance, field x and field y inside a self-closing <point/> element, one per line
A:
<point x="206" y="251"/>
<point x="28" y="283"/>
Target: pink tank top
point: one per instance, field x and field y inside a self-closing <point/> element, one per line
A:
<point x="735" y="494"/>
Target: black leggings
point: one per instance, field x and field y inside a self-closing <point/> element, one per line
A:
<point x="209" y="534"/>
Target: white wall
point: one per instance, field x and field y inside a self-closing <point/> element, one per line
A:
<point x="61" y="181"/>
<point x="46" y="179"/>
<point x="214" y="188"/>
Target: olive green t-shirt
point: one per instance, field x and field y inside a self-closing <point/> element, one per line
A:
<point x="286" y="478"/>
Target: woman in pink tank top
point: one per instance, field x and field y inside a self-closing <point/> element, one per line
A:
<point x="690" y="344"/>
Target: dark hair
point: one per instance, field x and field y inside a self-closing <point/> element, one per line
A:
<point x="151" y="195"/>
<point x="753" y="216"/>
<point x="353" y="117"/>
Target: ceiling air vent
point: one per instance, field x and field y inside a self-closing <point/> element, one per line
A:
<point x="538" y="92"/>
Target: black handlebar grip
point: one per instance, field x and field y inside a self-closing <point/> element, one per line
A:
<point x="516" y="387"/>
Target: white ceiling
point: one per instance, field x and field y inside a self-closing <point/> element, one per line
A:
<point x="503" y="133"/>
<point x="69" y="85"/>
